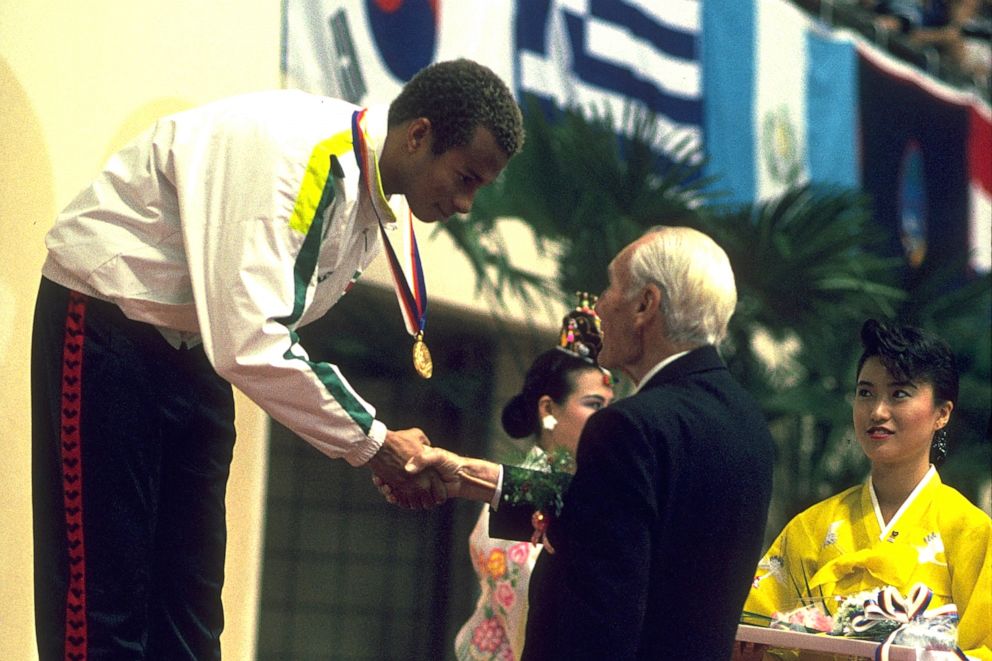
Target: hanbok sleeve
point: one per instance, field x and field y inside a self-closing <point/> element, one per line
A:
<point x="781" y="579"/>
<point x="512" y="522"/>
<point x="969" y="560"/>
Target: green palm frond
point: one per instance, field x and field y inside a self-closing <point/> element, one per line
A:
<point x="586" y="187"/>
<point x="805" y="253"/>
<point x="961" y="313"/>
<point x="489" y="257"/>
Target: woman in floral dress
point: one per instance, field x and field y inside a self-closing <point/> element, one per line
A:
<point x="562" y="388"/>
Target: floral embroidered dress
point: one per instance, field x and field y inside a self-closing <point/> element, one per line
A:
<point x="841" y="546"/>
<point x="496" y="628"/>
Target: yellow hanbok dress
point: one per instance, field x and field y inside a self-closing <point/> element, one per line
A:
<point x="841" y="546"/>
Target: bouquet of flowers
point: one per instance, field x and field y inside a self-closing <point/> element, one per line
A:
<point x="851" y="609"/>
<point x="811" y="618"/>
<point x="542" y="489"/>
<point x="885" y="615"/>
<point x="881" y="615"/>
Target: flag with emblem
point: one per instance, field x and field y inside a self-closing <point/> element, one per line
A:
<point x="780" y="99"/>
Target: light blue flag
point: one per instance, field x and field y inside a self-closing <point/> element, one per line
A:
<point x="831" y="109"/>
<point x="728" y="82"/>
<point x="780" y="99"/>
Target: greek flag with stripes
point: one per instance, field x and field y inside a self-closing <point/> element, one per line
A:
<point x="605" y="54"/>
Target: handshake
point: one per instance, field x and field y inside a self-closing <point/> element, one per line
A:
<point x="412" y="474"/>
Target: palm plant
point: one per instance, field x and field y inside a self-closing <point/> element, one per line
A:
<point x="807" y="265"/>
<point x="807" y="275"/>
<point x="961" y="313"/>
<point x="584" y="192"/>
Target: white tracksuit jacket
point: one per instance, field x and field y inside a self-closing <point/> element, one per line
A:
<point x="232" y="224"/>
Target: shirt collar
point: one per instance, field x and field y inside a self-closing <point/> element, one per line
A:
<point x="657" y="368"/>
<point x="376" y="126"/>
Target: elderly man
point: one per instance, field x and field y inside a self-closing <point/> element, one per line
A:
<point x="663" y="522"/>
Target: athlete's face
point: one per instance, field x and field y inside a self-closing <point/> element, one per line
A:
<point x="441" y="185"/>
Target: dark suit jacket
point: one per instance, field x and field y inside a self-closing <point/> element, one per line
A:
<point x="662" y="525"/>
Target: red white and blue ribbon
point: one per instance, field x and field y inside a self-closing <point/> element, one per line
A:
<point x="411" y="292"/>
<point x="889" y="605"/>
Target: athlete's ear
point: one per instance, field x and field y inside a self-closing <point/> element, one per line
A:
<point x="418" y="134"/>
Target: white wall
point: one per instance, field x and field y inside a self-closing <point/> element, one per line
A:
<point x="77" y="81"/>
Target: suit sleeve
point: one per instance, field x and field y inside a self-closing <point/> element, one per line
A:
<point x="524" y="491"/>
<point x="511" y="522"/>
<point x="603" y="541"/>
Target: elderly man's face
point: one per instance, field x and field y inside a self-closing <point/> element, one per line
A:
<point x="621" y="346"/>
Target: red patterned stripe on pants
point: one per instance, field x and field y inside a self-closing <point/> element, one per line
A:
<point x="72" y="477"/>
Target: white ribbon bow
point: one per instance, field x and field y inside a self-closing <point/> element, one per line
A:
<point x="889" y="605"/>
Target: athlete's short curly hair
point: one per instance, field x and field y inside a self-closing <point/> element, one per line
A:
<point x="457" y="97"/>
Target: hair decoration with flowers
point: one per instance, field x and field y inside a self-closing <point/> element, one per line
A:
<point x="580" y="330"/>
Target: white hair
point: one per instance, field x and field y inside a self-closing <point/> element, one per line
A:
<point x="696" y="281"/>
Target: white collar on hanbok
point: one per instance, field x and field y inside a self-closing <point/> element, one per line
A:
<point x="902" y="508"/>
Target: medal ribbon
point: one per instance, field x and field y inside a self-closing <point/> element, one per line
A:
<point x="412" y="299"/>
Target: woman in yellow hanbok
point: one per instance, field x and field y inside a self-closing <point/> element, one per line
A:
<point x="902" y="526"/>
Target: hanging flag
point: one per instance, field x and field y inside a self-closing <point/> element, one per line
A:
<point x="773" y="96"/>
<point x="607" y="54"/>
<point x="980" y="187"/>
<point x="728" y="47"/>
<point x="780" y="99"/>
<point x="363" y="51"/>
<point x="924" y="163"/>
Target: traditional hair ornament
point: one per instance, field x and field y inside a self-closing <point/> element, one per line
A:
<point x="938" y="447"/>
<point x="580" y="332"/>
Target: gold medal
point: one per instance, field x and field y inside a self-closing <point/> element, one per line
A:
<point x="422" y="357"/>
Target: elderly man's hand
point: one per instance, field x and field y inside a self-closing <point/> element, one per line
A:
<point x="448" y="465"/>
<point x="464" y="477"/>
<point x="412" y="491"/>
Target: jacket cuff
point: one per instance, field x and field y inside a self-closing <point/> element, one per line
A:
<point x="366" y="449"/>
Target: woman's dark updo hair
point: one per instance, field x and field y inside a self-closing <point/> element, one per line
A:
<point x="911" y="354"/>
<point x="552" y="374"/>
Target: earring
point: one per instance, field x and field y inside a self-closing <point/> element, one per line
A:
<point x="549" y="422"/>
<point x="938" y="447"/>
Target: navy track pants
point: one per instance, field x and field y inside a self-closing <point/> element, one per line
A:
<point x="132" y="445"/>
